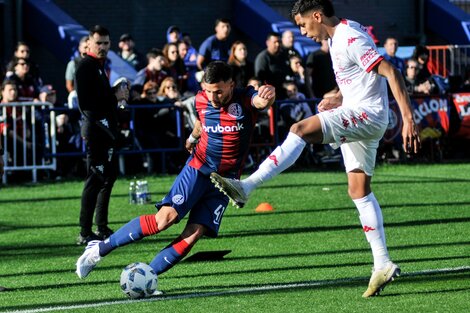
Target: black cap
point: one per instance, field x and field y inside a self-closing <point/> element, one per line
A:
<point x="125" y="37"/>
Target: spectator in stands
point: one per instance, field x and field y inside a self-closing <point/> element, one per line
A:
<point x="154" y="70"/>
<point x="421" y="54"/>
<point x="189" y="55"/>
<point x="175" y="67"/>
<point x="411" y="82"/>
<point x="287" y="40"/>
<point x="9" y="93"/>
<point x="145" y="125"/>
<point x="217" y="46"/>
<point x="128" y="52"/>
<point x="320" y="79"/>
<point x="242" y="68"/>
<point x="23" y="51"/>
<point x="27" y="86"/>
<point x="68" y="138"/>
<point x="271" y="65"/>
<point x="173" y="34"/>
<point x="255" y="82"/>
<point x="297" y="73"/>
<point x="293" y="112"/>
<point x="72" y="65"/>
<point x="391" y="47"/>
<point x="166" y="119"/>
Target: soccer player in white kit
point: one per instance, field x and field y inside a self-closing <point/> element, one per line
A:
<point x="355" y="119"/>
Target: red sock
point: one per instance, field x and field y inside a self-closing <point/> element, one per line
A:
<point x="182" y="247"/>
<point x="149" y="226"/>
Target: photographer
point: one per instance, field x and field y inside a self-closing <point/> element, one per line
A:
<point x="98" y="105"/>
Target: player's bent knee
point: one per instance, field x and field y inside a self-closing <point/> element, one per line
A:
<point x="165" y="217"/>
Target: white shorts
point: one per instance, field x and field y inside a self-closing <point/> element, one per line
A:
<point x="358" y="132"/>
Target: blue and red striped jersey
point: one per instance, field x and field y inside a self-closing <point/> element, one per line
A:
<point x="226" y="133"/>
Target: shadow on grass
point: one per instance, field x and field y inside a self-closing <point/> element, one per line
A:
<point x="261" y="270"/>
<point x="221" y="290"/>
<point x="29" y="249"/>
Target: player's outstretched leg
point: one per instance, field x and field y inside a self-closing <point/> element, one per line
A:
<point x="380" y="278"/>
<point x="134" y="230"/>
<point x="280" y="159"/>
<point x="232" y="188"/>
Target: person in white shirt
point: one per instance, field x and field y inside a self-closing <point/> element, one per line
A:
<point x="354" y="119"/>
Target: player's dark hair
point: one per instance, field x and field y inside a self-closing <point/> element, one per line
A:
<point x="303" y="6"/>
<point x="217" y="71"/>
<point x="100" y="30"/>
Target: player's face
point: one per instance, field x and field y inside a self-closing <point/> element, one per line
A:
<point x="219" y="93"/>
<point x="310" y="25"/>
<point x="99" y="45"/>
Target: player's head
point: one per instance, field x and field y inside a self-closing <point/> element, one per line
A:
<point x="309" y="15"/>
<point x="99" y="42"/>
<point x="217" y="83"/>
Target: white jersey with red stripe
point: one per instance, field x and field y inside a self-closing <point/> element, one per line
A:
<point x="354" y="55"/>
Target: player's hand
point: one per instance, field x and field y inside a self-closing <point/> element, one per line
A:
<point x="267" y="92"/>
<point x="411" y="141"/>
<point x="190" y="145"/>
<point x="329" y="104"/>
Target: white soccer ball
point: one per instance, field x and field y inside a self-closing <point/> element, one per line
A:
<point x="138" y="280"/>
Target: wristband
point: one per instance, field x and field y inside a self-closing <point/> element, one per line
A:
<point x="192" y="139"/>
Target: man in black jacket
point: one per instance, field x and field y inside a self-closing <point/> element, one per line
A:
<point x="98" y="105"/>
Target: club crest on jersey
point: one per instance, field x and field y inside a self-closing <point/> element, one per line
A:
<point x="178" y="199"/>
<point x="235" y="110"/>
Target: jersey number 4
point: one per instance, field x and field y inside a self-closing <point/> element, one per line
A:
<point x="219" y="212"/>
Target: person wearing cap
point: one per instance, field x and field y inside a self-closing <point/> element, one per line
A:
<point x="173" y="34"/>
<point x="47" y="93"/>
<point x="128" y="52"/>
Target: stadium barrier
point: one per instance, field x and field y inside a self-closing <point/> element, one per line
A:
<point x="449" y="60"/>
<point x="432" y="114"/>
<point x="28" y="136"/>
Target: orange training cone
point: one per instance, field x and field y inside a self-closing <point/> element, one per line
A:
<point x="264" y="207"/>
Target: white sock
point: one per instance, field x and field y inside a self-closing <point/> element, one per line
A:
<point x="280" y="159"/>
<point x="371" y="218"/>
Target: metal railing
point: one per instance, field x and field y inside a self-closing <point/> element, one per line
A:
<point x="28" y="136"/>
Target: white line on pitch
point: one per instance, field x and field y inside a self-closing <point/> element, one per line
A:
<point x="317" y="283"/>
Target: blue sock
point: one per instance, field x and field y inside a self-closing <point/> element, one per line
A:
<point x="128" y="233"/>
<point x="169" y="256"/>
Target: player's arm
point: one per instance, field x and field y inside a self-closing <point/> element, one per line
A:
<point x="193" y="138"/>
<point x="410" y="135"/>
<point x="265" y="97"/>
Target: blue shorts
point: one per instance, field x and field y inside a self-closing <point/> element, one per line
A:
<point x="193" y="191"/>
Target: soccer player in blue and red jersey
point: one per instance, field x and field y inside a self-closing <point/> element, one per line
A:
<point x="218" y="143"/>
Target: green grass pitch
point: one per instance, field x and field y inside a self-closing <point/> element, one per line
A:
<point x="308" y="255"/>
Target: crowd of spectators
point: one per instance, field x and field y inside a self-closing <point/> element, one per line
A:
<point x="168" y="79"/>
